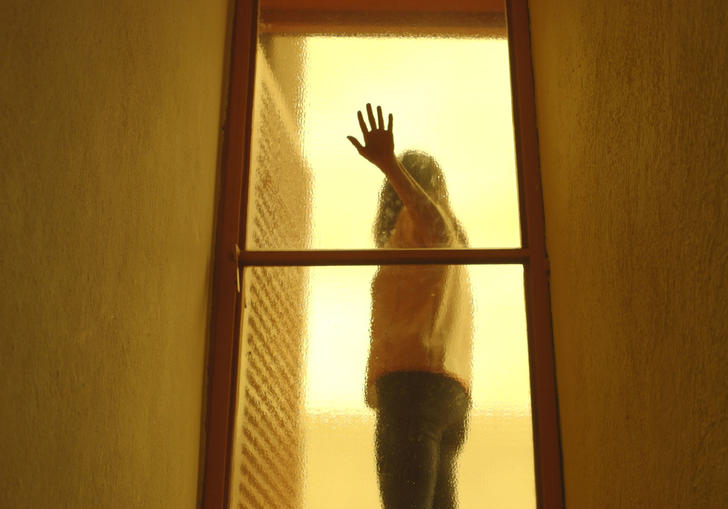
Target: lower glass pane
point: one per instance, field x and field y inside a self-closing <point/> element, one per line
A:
<point x="304" y="434"/>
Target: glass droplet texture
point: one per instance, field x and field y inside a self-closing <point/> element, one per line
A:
<point x="450" y="97"/>
<point x="301" y="402"/>
<point x="303" y="435"/>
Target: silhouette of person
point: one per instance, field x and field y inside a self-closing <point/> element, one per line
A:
<point x="419" y="368"/>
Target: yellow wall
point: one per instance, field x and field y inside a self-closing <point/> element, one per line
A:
<point x="632" y="109"/>
<point x="109" y="123"/>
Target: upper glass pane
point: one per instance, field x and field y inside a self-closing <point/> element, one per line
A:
<point x="450" y="99"/>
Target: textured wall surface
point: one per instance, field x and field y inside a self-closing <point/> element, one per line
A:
<point x="632" y="109"/>
<point x="109" y="133"/>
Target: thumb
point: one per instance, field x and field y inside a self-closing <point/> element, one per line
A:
<point x="356" y="143"/>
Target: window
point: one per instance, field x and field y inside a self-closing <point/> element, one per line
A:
<point x="284" y="258"/>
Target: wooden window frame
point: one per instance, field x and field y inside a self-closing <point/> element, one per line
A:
<point x="229" y="260"/>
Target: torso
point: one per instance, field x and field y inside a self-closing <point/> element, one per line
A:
<point x="421" y="317"/>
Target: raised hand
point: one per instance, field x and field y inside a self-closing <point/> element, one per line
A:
<point x="378" y="145"/>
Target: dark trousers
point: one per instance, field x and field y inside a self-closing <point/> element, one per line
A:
<point x="421" y="422"/>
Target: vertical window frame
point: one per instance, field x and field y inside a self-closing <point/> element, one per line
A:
<point x="230" y="260"/>
<point x="226" y="298"/>
<point x="544" y="398"/>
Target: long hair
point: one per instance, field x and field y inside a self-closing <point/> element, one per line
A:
<point x="428" y="174"/>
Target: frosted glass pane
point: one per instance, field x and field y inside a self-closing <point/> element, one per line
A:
<point x="323" y="318"/>
<point x="266" y="455"/>
<point x="450" y="98"/>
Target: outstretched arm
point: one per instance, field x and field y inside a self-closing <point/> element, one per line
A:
<point x="378" y="149"/>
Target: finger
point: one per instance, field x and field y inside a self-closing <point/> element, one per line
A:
<point x="356" y="143"/>
<point x="380" y="119"/>
<point x="370" y="116"/>
<point x="362" y="124"/>
<point x="390" y="122"/>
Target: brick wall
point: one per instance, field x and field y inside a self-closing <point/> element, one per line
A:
<point x="266" y="468"/>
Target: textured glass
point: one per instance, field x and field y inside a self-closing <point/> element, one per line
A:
<point x="267" y="450"/>
<point x="450" y="98"/>
<point x="306" y="341"/>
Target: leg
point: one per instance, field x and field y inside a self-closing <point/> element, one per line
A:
<point x="452" y="440"/>
<point x="407" y="456"/>
<point x="417" y="413"/>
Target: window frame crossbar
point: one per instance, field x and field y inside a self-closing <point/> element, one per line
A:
<point x="296" y="258"/>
